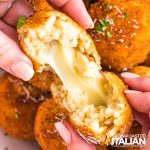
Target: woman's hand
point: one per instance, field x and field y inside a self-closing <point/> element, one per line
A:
<point x="12" y="59"/>
<point x="71" y="138"/>
<point x="139" y="99"/>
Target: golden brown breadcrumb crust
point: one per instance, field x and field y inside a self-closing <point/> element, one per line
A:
<point x="42" y="80"/>
<point x="147" y="61"/>
<point x="125" y="39"/>
<point x="19" y="102"/>
<point x="40" y="5"/>
<point x="46" y="134"/>
<point x="141" y="70"/>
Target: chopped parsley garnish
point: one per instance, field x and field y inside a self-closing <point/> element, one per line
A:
<point x="105" y="5"/>
<point x="17" y="115"/>
<point x="21" y="22"/>
<point x="126" y="15"/>
<point x="99" y="28"/>
<point x="109" y="34"/>
<point x="104" y="23"/>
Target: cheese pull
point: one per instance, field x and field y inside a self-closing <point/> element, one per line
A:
<point x="61" y="59"/>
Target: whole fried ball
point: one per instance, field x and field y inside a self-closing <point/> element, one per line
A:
<point x="47" y="136"/>
<point x="121" y="32"/>
<point x="19" y="102"/>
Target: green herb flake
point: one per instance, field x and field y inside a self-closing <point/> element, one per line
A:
<point x="109" y="34"/>
<point x="105" y="5"/>
<point x="17" y="115"/>
<point x="126" y="15"/>
<point x="21" y="22"/>
<point x="99" y="28"/>
<point x="104" y="23"/>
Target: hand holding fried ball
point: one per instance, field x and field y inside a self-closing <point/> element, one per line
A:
<point x="95" y="101"/>
<point x="139" y="99"/>
<point x="121" y="32"/>
<point x="49" y="114"/>
<point x="19" y="102"/>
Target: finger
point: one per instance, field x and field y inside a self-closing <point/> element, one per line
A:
<point x="10" y="31"/>
<point x="4" y="6"/>
<point x="71" y="138"/>
<point x="144" y="121"/>
<point x="136" y="82"/>
<point x="76" y="10"/>
<point x="18" y="9"/>
<point x="139" y="101"/>
<point x="13" y="60"/>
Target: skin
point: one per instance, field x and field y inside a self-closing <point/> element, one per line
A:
<point x="12" y="58"/>
<point x="139" y="99"/>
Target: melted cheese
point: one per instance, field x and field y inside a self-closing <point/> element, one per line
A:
<point x="61" y="59"/>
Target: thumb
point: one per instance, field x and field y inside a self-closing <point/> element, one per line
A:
<point x="71" y="138"/>
<point x="13" y="60"/>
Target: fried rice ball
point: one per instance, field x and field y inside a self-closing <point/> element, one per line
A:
<point x="121" y="32"/>
<point x="141" y="70"/>
<point x="97" y="107"/>
<point x="19" y="102"/>
<point x="40" y="5"/>
<point x="46" y="134"/>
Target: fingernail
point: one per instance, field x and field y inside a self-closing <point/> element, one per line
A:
<point x="91" y="24"/>
<point x="129" y="75"/>
<point x="132" y="92"/>
<point x="22" y="70"/>
<point x="63" y="131"/>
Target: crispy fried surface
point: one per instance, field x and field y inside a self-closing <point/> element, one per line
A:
<point x="42" y="80"/>
<point x="47" y="136"/>
<point x="141" y="70"/>
<point x="125" y="39"/>
<point x="40" y="5"/>
<point x="18" y="105"/>
<point x="147" y="61"/>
